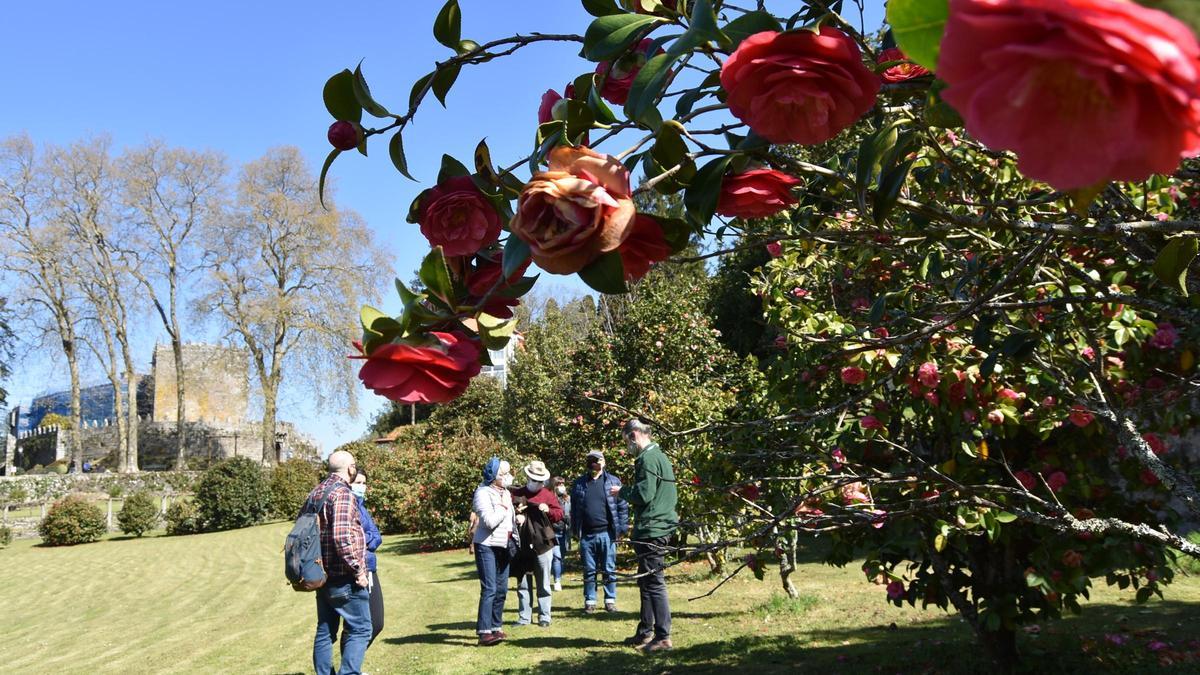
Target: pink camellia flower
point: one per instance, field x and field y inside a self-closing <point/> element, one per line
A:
<point x="781" y="342"/>
<point x="870" y="422"/>
<point x="576" y="211"/>
<point x="1166" y="337"/>
<point x="1080" y="417"/>
<point x="645" y="246"/>
<point x="970" y="417"/>
<point x="408" y="373"/>
<point x="756" y="193"/>
<point x="995" y="417"/>
<point x="619" y="76"/>
<point x="878" y="518"/>
<point x="932" y="398"/>
<point x="901" y="71"/>
<point x="1157" y="445"/>
<point x="839" y="459"/>
<point x="1057" y="481"/>
<point x="1049" y="401"/>
<point x="775" y="249"/>
<point x="1088" y="353"/>
<point x="1006" y="394"/>
<point x="855" y="493"/>
<point x="800" y="292"/>
<point x="860" y="304"/>
<point x="1084" y="91"/>
<point x="1072" y="558"/>
<point x="895" y="590"/>
<point x="1026" y="479"/>
<point x="798" y="86"/>
<point x="456" y="216"/>
<point x="853" y="375"/>
<point x="928" y="374"/>
<point x="550" y="101"/>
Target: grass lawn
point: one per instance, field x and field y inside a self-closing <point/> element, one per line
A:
<point x="217" y="603"/>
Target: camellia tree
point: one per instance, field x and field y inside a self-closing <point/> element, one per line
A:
<point x="981" y="225"/>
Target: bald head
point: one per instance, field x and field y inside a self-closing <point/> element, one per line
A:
<point x="340" y="463"/>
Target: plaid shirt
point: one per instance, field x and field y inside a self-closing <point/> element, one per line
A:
<point x="343" y="544"/>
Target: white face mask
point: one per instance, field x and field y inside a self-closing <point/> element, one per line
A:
<point x="359" y="489"/>
<point x="506" y="480"/>
<point x="562" y="489"/>
<point x="533" y="485"/>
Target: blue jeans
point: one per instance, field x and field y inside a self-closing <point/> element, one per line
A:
<point x="598" y="549"/>
<point x="492" y="564"/>
<point x="560" y="552"/>
<point x="541" y="576"/>
<point x="341" y="600"/>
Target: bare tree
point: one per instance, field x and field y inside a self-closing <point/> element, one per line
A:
<point x="168" y="193"/>
<point x="83" y="193"/>
<point x="39" y="253"/>
<point x="285" y="279"/>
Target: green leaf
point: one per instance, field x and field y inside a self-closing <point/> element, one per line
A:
<point x="685" y="103"/>
<point x="451" y="168"/>
<point x="495" y="332"/>
<point x="647" y="85"/>
<point x="669" y="148"/>
<point x="601" y="7"/>
<point x="418" y="86"/>
<point x="447" y="27"/>
<point x="703" y="29"/>
<point x="675" y="231"/>
<point x="1171" y="265"/>
<point x="700" y="198"/>
<point x="483" y="164"/>
<point x="516" y="252"/>
<point x="877" y="309"/>
<point x="609" y="36"/>
<point x="396" y="151"/>
<point x="435" y="276"/>
<point x="406" y="295"/>
<point x="917" y="26"/>
<point x="325" y="170"/>
<point x="938" y="113"/>
<point x="600" y="109"/>
<point x="443" y="81"/>
<point x="605" y="274"/>
<point x="890" y="183"/>
<point x="870" y="154"/>
<point x="339" y="97"/>
<point x="748" y="24"/>
<point x="1005" y="517"/>
<point x="362" y="94"/>
<point x="579" y="120"/>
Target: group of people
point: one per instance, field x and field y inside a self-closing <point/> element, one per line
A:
<point x="523" y="532"/>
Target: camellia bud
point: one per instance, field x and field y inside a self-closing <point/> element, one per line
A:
<point x="344" y="135"/>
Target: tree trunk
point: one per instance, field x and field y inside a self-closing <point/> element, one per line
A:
<point x="131" y="435"/>
<point x="180" y="428"/>
<point x="270" y="392"/>
<point x="787" y="562"/>
<point x="1001" y="648"/>
<point x="76" y="433"/>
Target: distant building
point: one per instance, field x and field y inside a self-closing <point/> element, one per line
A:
<point x="502" y="359"/>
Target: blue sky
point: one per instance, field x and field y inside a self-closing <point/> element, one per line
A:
<point x="241" y="77"/>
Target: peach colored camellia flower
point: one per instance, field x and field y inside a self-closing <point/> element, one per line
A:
<point x="756" y="194"/>
<point x="798" y="87"/>
<point x="419" y="374"/>
<point x="1084" y="91"/>
<point x="456" y="216"/>
<point x="645" y="246"/>
<point x="900" y="72"/>
<point x="577" y="210"/>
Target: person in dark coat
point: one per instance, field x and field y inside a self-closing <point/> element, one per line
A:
<point x="598" y="519"/>
<point x="541" y="509"/>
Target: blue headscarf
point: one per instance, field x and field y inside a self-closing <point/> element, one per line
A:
<point x="490" y="470"/>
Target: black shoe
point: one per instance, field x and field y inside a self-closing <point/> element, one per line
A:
<point x="640" y="640"/>
<point x="589" y="609"/>
<point x="658" y="645"/>
<point x="610" y="606"/>
<point x="489" y="639"/>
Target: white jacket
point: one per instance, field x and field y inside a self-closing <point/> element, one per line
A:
<point x="494" y="508"/>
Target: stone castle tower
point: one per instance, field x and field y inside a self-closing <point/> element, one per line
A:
<point x="216" y="388"/>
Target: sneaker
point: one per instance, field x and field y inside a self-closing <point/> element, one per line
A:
<point x="610" y="606"/>
<point x="658" y="645"/>
<point x="522" y="623"/>
<point x="589" y="609"/>
<point x="488" y="639"/>
<point x="543" y="623"/>
<point x="558" y="585"/>
<point x="640" y="640"/>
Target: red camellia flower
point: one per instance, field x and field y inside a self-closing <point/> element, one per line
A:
<point x="1057" y="481"/>
<point x="484" y="276"/>
<point x="775" y="249"/>
<point x="644" y="246"/>
<point x="870" y="422"/>
<point x="1157" y="445"/>
<point x="550" y="100"/>
<point x="1165" y="337"/>
<point x="577" y="210"/>
<point x="1080" y="417"/>
<point x="422" y="374"/>
<point x="456" y="216"/>
<point x="1084" y="91"/>
<point x="798" y="87"/>
<point x="1026" y="479"/>
<point x="853" y="375"/>
<point x="895" y="590"/>
<point x="756" y="194"/>
<point x="901" y="71"/>
<point x="618" y="76"/>
<point x="928" y="374"/>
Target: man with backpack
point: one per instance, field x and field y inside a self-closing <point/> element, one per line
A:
<point x="344" y="596"/>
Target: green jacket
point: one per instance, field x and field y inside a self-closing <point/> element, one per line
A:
<point x="652" y="495"/>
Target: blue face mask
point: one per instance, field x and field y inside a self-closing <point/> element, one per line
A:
<point x="359" y="490"/>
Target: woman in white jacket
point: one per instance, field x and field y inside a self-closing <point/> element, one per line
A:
<point x="497" y="521"/>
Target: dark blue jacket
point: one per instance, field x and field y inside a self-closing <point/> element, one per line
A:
<point x="617" y="509"/>
<point x="374" y="539"/>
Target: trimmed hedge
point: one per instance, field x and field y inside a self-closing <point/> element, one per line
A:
<point x="290" y="484"/>
<point x="233" y="493"/>
<point x="183" y="517"/>
<point x="72" y="520"/>
<point x="139" y="514"/>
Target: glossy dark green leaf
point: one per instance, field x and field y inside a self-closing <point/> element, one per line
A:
<point x="748" y="24"/>
<point x="447" y="27"/>
<point x="601" y="7"/>
<point x="599" y="106"/>
<point x="339" y="97"/>
<point x="648" y="85"/>
<point x="700" y="198"/>
<point x="1171" y="265"/>
<point x="442" y="82"/>
<point x="579" y="120"/>
<point x="685" y="103"/>
<point x="483" y="164"/>
<point x="702" y="29"/>
<point x="890" y="183"/>
<point x="495" y="332"/>
<point x="362" y="93"/>
<point x="516" y="252"/>
<point x="414" y="208"/>
<point x="325" y="170"/>
<point x="435" y="276"/>
<point x="396" y="152"/>
<point x="877" y="309"/>
<point x="917" y="26"/>
<point x="609" y="36"/>
<point x="406" y="294"/>
<point x="605" y="274"/>
<point x="451" y="168"/>
<point x="419" y="86"/>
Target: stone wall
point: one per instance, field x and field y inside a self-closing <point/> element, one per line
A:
<point x="216" y="383"/>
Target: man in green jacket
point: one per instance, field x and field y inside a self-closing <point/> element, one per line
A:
<point x="652" y="496"/>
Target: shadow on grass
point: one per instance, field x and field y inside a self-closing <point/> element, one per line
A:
<point x="458" y="639"/>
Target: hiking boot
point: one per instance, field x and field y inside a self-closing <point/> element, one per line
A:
<point x="658" y="645"/>
<point x="589" y="609"/>
<point x="610" y="606"/>
<point x="488" y="639"/>
<point x="640" y="640"/>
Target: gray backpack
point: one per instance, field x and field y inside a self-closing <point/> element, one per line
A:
<point x="302" y="564"/>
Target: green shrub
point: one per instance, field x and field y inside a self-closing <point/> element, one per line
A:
<point x="139" y="514"/>
<point x="5" y="535"/>
<point x="115" y="490"/>
<point x="59" y="467"/>
<point x="290" y="484"/>
<point x="183" y="517"/>
<point x="232" y="493"/>
<point x="389" y="496"/>
<point x="72" y="520"/>
<point x="17" y="495"/>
